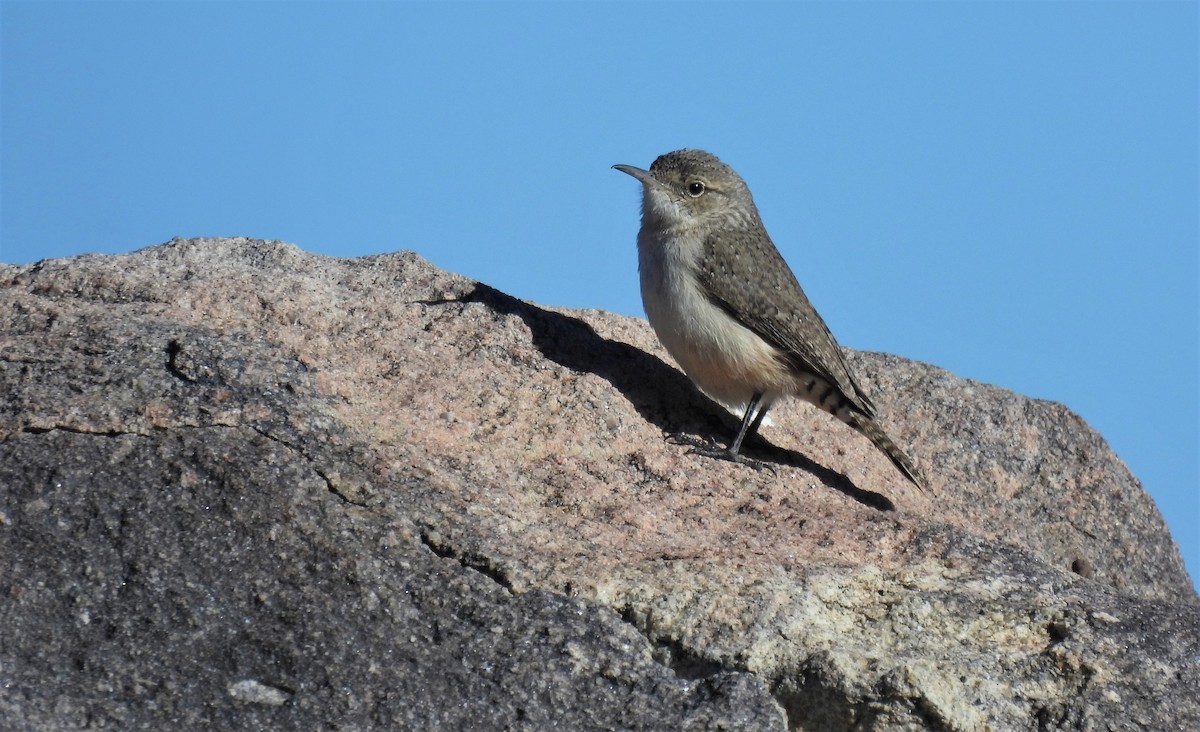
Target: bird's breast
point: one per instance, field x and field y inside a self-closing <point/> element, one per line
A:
<point x="726" y="360"/>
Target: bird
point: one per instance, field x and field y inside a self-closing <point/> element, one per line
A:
<point x="728" y="308"/>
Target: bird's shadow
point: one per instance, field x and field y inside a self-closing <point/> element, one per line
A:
<point x="660" y="393"/>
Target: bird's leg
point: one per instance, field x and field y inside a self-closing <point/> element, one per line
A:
<point x="750" y="423"/>
<point x="758" y="419"/>
<point x="749" y="427"/>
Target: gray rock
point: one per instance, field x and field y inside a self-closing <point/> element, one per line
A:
<point x="243" y="486"/>
<point x="209" y="578"/>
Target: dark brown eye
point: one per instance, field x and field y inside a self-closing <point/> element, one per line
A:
<point x="695" y="188"/>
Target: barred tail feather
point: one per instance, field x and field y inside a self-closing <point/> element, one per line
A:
<point x="870" y="429"/>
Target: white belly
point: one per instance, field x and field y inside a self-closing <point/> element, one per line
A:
<point x="727" y="361"/>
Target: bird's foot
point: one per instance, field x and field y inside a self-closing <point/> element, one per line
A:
<point x="712" y="449"/>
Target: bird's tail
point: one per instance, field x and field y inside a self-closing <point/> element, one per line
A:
<point x="870" y="429"/>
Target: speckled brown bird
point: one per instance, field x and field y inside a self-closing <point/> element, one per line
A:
<point x="727" y="307"/>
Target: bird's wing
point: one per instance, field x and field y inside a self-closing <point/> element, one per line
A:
<point x="748" y="278"/>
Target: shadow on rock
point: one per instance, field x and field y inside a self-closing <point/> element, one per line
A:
<point x="661" y="394"/>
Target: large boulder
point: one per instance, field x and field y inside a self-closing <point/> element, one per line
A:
<point x="245" y="486"/>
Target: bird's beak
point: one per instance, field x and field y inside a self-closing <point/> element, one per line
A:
<point x="642" y="175"/>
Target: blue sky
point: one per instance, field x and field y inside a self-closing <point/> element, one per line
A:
<point x="1006" y="190"/>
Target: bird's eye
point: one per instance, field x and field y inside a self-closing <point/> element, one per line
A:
<point x="695" y="188"/>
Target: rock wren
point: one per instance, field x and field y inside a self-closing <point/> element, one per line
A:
<point x="728" y="308"/>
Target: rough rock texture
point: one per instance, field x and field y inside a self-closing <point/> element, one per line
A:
<point x="244" y="486"/>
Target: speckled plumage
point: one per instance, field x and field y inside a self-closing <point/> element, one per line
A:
<point x="728" y="308"/>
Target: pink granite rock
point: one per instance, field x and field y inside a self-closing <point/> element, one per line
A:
<point x="1034" y="585"/>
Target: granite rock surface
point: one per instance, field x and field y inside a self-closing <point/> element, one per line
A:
<point x="243" y="486"/>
